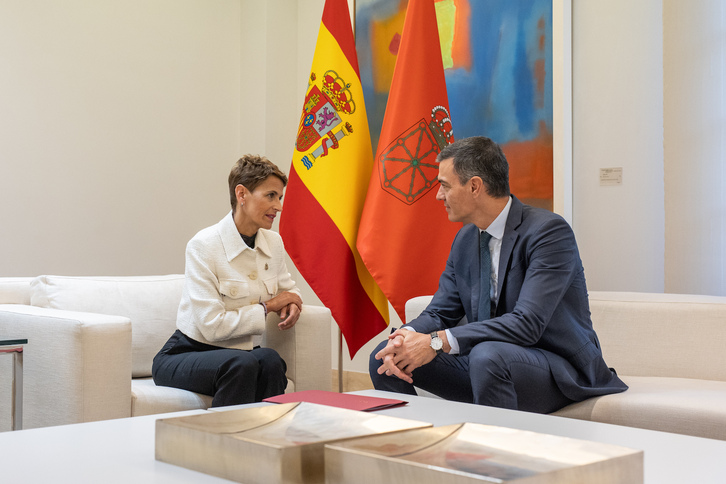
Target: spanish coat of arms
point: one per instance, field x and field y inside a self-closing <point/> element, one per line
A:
<point x="321" y="124"/>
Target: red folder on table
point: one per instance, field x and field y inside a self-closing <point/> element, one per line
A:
<point x="342" y="400"/>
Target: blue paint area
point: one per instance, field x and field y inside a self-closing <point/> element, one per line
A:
<point x="524" y="81"/>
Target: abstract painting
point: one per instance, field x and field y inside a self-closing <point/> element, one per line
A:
<point x="497" y="58"/>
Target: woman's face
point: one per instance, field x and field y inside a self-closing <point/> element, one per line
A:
<point x="259" y="208"/>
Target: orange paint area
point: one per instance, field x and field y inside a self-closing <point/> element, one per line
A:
<point x="530" y="167"/>
<point x="461" y="46"/>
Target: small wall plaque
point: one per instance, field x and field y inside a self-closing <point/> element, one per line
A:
<point x="611" y="176"/>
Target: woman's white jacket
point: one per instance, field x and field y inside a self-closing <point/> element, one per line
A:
<point x="225" y="281"/>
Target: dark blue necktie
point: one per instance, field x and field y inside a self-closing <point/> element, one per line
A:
<point x="485" y="269"/>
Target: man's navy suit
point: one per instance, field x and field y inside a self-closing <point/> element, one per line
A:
<point x="542" y="305"/>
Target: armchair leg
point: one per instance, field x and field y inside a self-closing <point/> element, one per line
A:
<point x="17" y="391"/>
<point x="15" y="347"/>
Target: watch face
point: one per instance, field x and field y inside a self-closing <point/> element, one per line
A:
<point x="437" y="343"/>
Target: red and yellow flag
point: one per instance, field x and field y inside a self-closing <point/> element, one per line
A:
<point x="329" y="177"/>
<point x="405" y="235"/>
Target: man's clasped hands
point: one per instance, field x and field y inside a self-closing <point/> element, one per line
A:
<point x="407" y="350"/>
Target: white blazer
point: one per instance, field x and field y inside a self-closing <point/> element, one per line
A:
<point x="225" y="281"/>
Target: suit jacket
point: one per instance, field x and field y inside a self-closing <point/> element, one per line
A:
<point x="542" y="300"/>
<point x="225" y="281"/>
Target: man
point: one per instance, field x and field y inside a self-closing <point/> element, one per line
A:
<point x="529" y="343"/>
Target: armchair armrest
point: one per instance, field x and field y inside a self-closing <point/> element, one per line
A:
<point x="306" y="348"/>
<point x="415" y="306"/>
<point x="77" y="366"/>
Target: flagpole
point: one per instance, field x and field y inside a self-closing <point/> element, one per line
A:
<point x="340" y="331"/>
<point x="340" y="360"/>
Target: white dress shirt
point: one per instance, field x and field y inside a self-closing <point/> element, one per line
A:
<point x="496" y="230"/>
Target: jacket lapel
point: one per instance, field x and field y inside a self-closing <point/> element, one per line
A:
<point x="263" y="244"/>
<point x="510" y="237"/>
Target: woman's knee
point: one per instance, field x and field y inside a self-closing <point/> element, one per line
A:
<point x="240" y="366"/>
<point x="270" y="362"/>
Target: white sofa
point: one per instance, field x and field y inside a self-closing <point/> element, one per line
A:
<point x="671" y="351"/>
<point x="91" y="341"/>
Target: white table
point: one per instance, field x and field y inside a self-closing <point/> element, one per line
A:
<point x="122" y="451"/>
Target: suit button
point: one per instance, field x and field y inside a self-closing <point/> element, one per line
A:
<point x="253" y="276"/>
<point x="233" y="292"/>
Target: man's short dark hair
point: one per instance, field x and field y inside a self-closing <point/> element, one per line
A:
<point x="482" y="157"/>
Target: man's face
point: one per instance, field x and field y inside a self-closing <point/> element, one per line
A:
<point x="458" y="199"/>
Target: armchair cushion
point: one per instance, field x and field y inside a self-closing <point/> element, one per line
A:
<point x="147" y="398"/>
<point x="679" y="405"/>
<point x="150" y="302"/>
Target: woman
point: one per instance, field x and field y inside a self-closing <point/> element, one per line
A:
<point x="235" y="274"/>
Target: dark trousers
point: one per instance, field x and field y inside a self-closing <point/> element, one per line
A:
<point x="496" y="374"/>
<point x="231" y="376"/>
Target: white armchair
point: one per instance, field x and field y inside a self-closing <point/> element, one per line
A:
<point x="91" y="342"/>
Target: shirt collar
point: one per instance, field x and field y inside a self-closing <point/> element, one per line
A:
<point x="496" y="228"/>
<point x="233" y="243"/>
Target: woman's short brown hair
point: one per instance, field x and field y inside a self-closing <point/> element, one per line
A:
<point x="250" y="171"/>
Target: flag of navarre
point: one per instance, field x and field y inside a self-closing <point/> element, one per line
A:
<point x="328" y="103"/>
<point x="407" y="166"/>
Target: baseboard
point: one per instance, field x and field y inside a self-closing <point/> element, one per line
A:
<point x="352" y="381"/>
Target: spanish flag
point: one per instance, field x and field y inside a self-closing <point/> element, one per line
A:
<point x="329" y="177"/>
<point x="405" y="235"/>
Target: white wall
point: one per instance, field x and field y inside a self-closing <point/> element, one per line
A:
<point x="649" y="95"/>
<point x="618" y="122"/>
<point x="120" y="122"/>
<point x="695" y="146"/>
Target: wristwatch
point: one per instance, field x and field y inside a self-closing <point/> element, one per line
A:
<point x="436" y="342"/>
